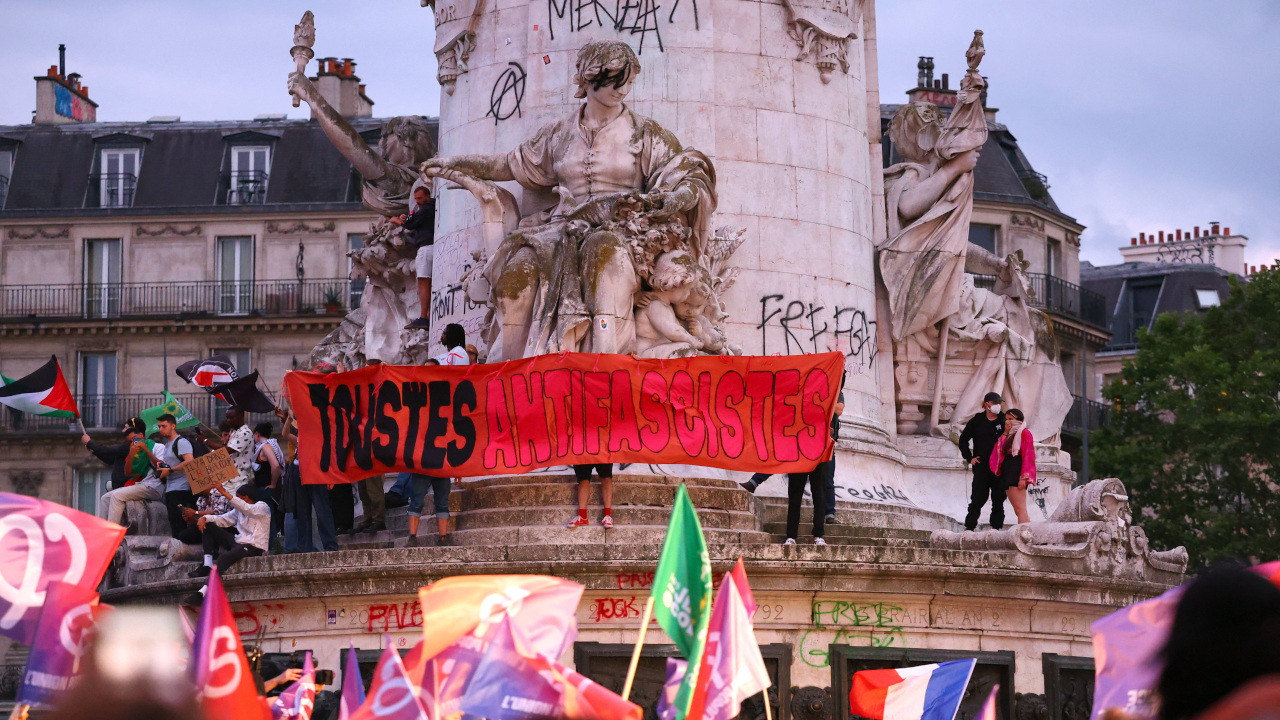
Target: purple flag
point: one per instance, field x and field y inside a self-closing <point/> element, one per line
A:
<point x="299" y="699"/>
<point x="352" y="686"/>
<point x="393" y="695"/>
<point x="1126" y="649"/>
<point x="504" y="685"/>
<point x="59" y="643"/>
<point x="675" y="678"/>
<point x="731" y="662"/>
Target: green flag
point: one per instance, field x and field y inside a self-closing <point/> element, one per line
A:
<point x="682" y="592"/>
<point x="171" y="406"/>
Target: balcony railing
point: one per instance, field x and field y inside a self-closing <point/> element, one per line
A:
<point x="1098" y="415"/>
<point x="1056" y="295"/>
<point x="168" y="299"/>
<point x="247" y="187"/>
<point x="108" y="190"/>
<point x="108" y="413"/>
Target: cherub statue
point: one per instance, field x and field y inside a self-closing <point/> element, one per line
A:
<point x="701" y="314"/>
<point x="661" y="331"/>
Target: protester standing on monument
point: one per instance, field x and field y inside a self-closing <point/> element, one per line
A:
<point x="207" y="503"/>
<point x="301" y="501"/>
<point x="419" y="223"/>
<point x="1013" y="461"/>
<point x="117" y="455"/>
<point x="816" y="481"/>
<point x="982" y="431"/>
<point x="252" y="525"/>
<point x="268" y="469"/>
<point x="454" y="339"/>
<point x="175" y="451"/>
<point x="133" y="465"/>
<point x="583" y="473"/>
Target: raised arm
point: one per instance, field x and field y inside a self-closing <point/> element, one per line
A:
<point x="917" y="200"/>
<point x="495" y="168"/>
<point x="368" y="163"/>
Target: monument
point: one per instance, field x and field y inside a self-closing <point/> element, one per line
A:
<point x="677" y="179"/>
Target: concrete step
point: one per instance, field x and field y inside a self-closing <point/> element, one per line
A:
<point x="843" y="530"/>
<point x="628" y="490"/>
<point x="774" y="509"/>
<point x="622" y="515"/>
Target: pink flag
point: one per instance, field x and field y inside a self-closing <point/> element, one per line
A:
<point x="299" y="699"/>
<point x="732" y="669"/>
<point x="42" y="542"/>
<point x="220" y="670"/>
<point x="65" y="622"/>
<point x="988" y="711"/>
<point x="393" y="696"/>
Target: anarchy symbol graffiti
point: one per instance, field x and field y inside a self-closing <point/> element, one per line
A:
<point x="507" y="93"/>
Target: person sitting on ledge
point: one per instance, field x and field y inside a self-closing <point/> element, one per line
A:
<point x="420" y="224"/>
<point x="583" y="473"/>
<point x="252" y="527"/>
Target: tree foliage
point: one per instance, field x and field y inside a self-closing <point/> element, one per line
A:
<point x="1195" y="427"/>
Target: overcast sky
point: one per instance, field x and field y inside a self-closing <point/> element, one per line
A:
<point x="1145" y="116"/>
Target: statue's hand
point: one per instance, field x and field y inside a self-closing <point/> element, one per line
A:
<point x="301" y="86"/>
<point x="437" y="167"/>
<point x="964" y="162"/>
<point x="666" y="204"/>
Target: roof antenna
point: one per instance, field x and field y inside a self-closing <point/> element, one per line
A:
<point x="62" y="60"/>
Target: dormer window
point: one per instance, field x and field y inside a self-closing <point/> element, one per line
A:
<point x="117" y="178"/>
<point x="250" y="169"/>
<point x="6" y="171"/>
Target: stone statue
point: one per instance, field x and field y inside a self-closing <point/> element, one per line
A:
<point x="1091" y="531"/>
<point x="386" y="260"/>
<point x="969" y="339"/>
<point x="632" y="201"/>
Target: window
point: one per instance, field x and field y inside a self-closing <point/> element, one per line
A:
<point x="235" y="275"/>
<point x="250" y="165"/>
<point x="1207" y="298"/>
<point x="1053" y="258"/>
<point x="98" y="389"/>
<point x="102" y="268"/>
<point x="240" y="357"/>
<point x="89" y="486"/>
<point x="984" y="236"/>
<point x="6" y="172"/>
<point x="117" y="177"/>
<point x="355" y="289"/>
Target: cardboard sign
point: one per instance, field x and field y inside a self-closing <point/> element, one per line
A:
<point x="759" y="414"/>
<point x="214" y="468"/>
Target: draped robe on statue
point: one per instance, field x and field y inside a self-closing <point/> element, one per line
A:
<point x="631" y="154"/>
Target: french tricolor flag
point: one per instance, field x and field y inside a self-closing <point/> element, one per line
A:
<point x="923" y="692"/>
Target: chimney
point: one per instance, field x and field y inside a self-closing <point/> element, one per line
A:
<point x="1161" y="236"/>
<point x="1142" y="238"/>
<point x="1213" y="224"/>
<point x="1226" y="232"/>
<point x="928" y="68"/>
<point x="1133" y="241"/>
<point x="1197" y="231"/>
<point x="1179" y="236"/>
<point x="946" y="85"/>
<point x="60" y="98"/>
<point x="340" y="86"/>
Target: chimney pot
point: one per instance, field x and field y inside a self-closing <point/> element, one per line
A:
<point x="1143" y="237"/>
<point x="84" y="90"/>
<point x="1133" y="241"/>
<point x="1226" y="231"/>
<point x="53" y="71"/>
<point x="62" y="60"/>
<point x="1215" y="228"/>
<point x="1161" y="236"/>
<point x="946" y="84"/>
<point x="1179" y="236"/>
<point x="1197" y="231"/>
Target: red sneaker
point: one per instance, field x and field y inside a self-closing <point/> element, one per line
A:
<point x="578" y="521"/>
<point x="607" y="521"/>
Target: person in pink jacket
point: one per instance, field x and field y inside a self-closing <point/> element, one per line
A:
<point x="1014" y="461"/>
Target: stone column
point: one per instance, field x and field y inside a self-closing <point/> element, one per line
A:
<point x="796" y="156"/>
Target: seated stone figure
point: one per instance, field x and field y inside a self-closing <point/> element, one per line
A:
<point x="567" y="279"/>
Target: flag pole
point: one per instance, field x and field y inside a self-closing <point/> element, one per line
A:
<point x="635" y="654"/>
<point x="768" y="714"/>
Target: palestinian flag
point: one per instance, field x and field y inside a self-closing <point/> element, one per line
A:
<point x="43" y="392"/>
<point x="171" y="406"/>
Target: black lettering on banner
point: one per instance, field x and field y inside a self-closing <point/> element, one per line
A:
<point x="507" y="94"/>
<point x="362" y="433"/>
<point x="414" y="395"/>
<point x="437" y="424"/>
<point x="385" y="452"/>
<point x="318" y="393"/>
<point x="344" y="418"/>
<point x="464" y="402"/>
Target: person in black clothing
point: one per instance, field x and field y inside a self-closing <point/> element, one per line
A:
<point x="116" y="455"/>
<point x="420" y="224"/>
<point x="982" y="431"/>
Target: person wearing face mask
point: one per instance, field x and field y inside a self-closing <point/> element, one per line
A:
<point x="976" y="443"/>
<point x="1013" y="461"/>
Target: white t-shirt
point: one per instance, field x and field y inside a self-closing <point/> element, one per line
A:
<point x="171" y="454"/>
<point x="455" y="356"/>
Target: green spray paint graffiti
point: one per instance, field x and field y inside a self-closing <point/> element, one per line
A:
<point x="854" y="623"/>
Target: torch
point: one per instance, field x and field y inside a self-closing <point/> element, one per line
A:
<point x="304" y="36"/>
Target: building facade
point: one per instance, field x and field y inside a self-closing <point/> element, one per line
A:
<point x="127" y="248"/>
<point x="1177" y="271"/>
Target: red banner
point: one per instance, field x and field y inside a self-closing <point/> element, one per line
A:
<point x="760" y="414"/>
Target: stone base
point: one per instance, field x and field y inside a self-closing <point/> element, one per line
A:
<point x="937" y="479"/>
